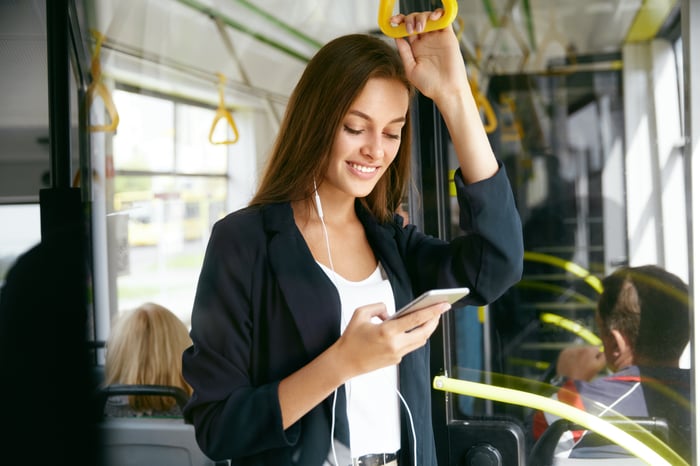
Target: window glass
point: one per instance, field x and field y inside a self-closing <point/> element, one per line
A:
<point x="20" y="232"/>
<point x="194" y="153"/>
<point x="160" y="222"/>
<point x="146" y="129"/>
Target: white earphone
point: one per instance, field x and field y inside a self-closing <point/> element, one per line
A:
<point x="319" y="209"/>
<point x="318" y="201"/>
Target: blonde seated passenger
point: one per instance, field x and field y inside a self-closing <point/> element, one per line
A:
<point x="145" y="347"/>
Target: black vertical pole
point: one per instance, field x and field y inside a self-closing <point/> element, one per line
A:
<point x="60" y="205"/>
<point x="61" y="312"/>
<point x="59" y="91"/>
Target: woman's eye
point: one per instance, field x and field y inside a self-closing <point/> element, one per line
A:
<point x="352" y="130"/>
<point x="393" y="136"/>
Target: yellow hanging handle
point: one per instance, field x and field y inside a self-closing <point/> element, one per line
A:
<point x="386" y="10"/>
<point x="222" y="112"/>
<point x="483" y="104"/>
<point x="97" y="87"/>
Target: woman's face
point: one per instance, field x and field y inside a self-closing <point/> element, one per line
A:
<point x="368" y="138"/>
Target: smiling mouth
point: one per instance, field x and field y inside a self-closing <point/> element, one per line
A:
<point x="363" y="168"/>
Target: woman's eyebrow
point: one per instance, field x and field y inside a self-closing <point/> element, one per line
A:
<point x="363" y="115"/>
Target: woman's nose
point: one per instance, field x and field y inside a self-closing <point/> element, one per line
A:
<point x="373" y="146"/>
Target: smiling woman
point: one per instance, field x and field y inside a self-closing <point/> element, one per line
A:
<point x="302" y="281"/>
<point x="309" y="256"/>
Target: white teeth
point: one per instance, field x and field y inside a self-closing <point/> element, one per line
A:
<point x="363" y="168"/>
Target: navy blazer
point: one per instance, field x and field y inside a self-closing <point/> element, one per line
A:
<point x="264" y="308"/>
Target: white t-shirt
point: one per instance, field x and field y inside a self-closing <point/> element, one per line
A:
<point x="372" y="398"/>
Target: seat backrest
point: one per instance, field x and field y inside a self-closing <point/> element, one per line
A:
<point x="150" y="442"/>
<point x="542" y="453"/>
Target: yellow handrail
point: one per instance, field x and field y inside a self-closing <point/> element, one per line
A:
<point x="97" y="86"/>
<point x="572" y="267"/>
<point x="573" y="327"/>
<point x="222" y="112"/>
<point x="386" y="10"/>
<point x="652" y="450"/>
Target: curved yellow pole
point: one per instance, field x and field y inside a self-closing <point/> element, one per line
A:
<point x="569" y="266"/>
<point x="386" y="10"/>
<point x="573" y="327"/>
<point x="652" y="451"/>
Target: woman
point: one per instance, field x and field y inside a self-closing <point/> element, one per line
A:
<point x="145" y="347"/>
<point x="293" y="361"/>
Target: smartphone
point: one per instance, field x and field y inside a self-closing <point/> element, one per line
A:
<point x="449" y="295"/>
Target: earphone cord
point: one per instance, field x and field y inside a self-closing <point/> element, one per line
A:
<point x="319" y="211"/>
<point x="413" y="429"/>
<point x="335" y="392"/>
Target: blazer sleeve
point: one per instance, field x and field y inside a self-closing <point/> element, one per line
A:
<point x="233" y="416"/>
<point x="487" y="257"/>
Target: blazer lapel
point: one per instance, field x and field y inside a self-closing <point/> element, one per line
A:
<point x="309" y="293"/>
<point x="383" y="242"/>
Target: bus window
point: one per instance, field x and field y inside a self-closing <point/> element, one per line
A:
<point x="591" y="127"/>
<point x="170" y="186"/>
<point x="21" y="231"/>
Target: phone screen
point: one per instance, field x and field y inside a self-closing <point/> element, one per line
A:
<point x="449" y="295"/>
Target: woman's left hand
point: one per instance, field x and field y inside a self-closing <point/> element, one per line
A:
<point x="433" y="61"/>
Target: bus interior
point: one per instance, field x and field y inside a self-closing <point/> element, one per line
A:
<point x="156" y="117"/>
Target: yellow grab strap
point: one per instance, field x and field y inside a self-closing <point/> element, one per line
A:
<point x="386" y="10"/>
<point x="97" y="87"/>
<point x="483" y="104"/>
<point x="222" y="112"/>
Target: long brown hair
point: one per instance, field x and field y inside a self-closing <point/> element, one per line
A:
<point x="332" y="80"/>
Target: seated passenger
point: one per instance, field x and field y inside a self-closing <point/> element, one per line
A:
<point x="643" y="321"/>
<point x="145" y="347"/>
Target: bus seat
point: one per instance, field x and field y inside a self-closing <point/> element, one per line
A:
<point x="148" y="441"/>
<point x="105" y="392"/>
<point x="542" y="453"/>
<point x="151" y="442"/>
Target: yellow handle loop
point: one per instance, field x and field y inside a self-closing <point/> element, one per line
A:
<point x="652" y="450"/>
<point x="96" y="86"/>
<point x="222" y="112"/>
<point x="483" y="104"/>
<point x="386" y="10"/>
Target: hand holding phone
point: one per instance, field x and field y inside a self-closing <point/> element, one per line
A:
<point x="444" y="295"/>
